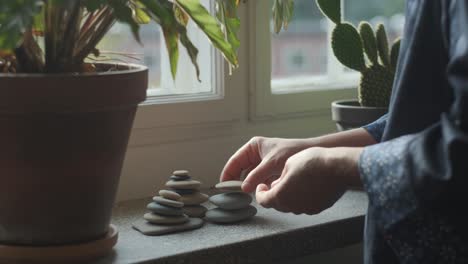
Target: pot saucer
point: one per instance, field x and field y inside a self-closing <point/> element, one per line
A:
<point x="74" y="253"/>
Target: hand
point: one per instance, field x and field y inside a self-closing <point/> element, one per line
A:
<point x="312" y="180"/>
<point x="264" y="158"/>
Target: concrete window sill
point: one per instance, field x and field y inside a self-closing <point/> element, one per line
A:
<point x="269" y="237"/>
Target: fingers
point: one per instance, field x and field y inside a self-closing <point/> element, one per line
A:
<point x="247" y="156"/>
<point x="265" y="197"/>
<point x="258" y="175"/>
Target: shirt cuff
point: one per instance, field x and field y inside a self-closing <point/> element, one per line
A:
<point x="376" y="128"/>
<point x="382" y="169"/>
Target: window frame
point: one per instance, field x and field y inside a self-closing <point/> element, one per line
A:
<point x="305" y="96"/>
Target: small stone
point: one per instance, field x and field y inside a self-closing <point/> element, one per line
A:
<point x="184" y="191"/>
<point x="229" y="185"/>
<point x="170" y="195"/>
<point x="218" y="215"/>
<point x="179" y="178"/>
<point x="165" y="220"/>
<point x="164" y="201"/>
<point x="164" y="210"/>
<point x="156" y="230"/>
<point x="195" y="210"/>
<point x="190" y="184"/>
<point x="194" y="199"/>
<point x="181" y="173"/>
<point x="231" y="200"/>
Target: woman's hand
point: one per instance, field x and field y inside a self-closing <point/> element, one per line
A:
<point x="312" y="180"/>
<point x="264" y="158"/>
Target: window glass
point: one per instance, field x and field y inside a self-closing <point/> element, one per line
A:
<point x="119" y="45"/>
<point x="302" y="48"/>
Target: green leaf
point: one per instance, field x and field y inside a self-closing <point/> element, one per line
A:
<point x="210" y="27"/>
<point x="15" y="18"/>
<point x="93" y="5"/>
<point x="191" y="49"/>
<point x="162" y="12"/>
<point x="124" y="13"/>
<point x="282" y="14"/>
<point x="227" y="16"/>
<point x="331" y="9"/>
<point x="140" y="16"/>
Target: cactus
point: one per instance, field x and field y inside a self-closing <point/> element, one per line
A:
<point x="352" y="46"/>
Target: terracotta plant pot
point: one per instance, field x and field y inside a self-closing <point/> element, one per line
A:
<point x="350" y="114"/>
<point x="63" y="140"/>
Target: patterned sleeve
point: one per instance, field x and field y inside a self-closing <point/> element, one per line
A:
<point x="376" y="128"/>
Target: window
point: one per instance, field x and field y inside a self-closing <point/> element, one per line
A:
<point x="153" y="54"/>
<point x="296" y="72"/>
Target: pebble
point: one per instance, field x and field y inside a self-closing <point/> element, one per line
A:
<point x="179" y="178"/>
<point x="164" y="201"/>
<point x="231" y="200"/>
<point x="156" y="230"/>
<point x="165" y="220"/>
<point x="229" y="185"/>
<point x="190" y="184"/>
<point x="194" y="199"/>
<point x="170" y="195"/>
<point x="184" y="191"/>
<point x="180" y="173"/>
<point x="218" y="215"/>
<point x="195" y="210"/>
<point x="164" y="210"/>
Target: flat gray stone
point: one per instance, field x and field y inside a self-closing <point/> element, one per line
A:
<point x="195" y="210"/>
<point x="183" y="191"/>
<point x="229" y="185"/>
<point x="180" y="173"/>
<point x="164" y="201"/>
<point x="194" y="199"/>
<point x="231" y="200"/>
<point x="218" y="215"/>
<point x="164" y="209"/>
<point x="179" y="178"/>
<point x="171" y="195"/>
<point x="190" y="184"/>
<point x="156" y="230"/>
<point x="165" y="220"/>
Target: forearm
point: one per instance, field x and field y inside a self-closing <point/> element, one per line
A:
<point x="358" y="137"/>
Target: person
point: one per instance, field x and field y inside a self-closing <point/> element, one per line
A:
<point x="412" y="162"/>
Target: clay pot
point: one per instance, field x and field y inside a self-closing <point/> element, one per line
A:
<point x="349" y="114"/>
<point x="63" y="140"/>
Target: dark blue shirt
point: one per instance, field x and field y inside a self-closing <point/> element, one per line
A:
<point x="417" y="177"/>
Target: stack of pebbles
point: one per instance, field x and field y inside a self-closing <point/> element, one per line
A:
<point x="166" y="213"/>
<point x="232" y="206"/>
<point x="189" y="190"/>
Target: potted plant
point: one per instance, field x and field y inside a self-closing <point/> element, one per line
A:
<point x="367" y="52"/>
<point x="65" y="121"/>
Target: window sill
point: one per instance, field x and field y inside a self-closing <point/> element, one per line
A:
<point x="269" y="237"/>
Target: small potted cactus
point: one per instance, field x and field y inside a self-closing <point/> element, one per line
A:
<point x="367" y="52"/>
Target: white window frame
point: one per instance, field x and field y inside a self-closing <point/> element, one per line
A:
<point x="295" y="97"/>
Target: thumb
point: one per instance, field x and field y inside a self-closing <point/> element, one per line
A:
<point x="265" y="196"/>
<point x="258" y="175"/>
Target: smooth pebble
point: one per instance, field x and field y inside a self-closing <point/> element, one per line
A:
<point x="218" y="215"/>
<point x="180" y="173"/>
<point x="195" y="210"/>
<point x="156" y="230"/>
<point x="179" y="178"/>
<point x="231" y="200"/>
<point x="164" y="210"/>
<point x="184" y="191"/>
<point x="171" y="195"/>
<point x="165" y="220"/>
<point x="190" y="184"/>
<point x="194" y="199"/>
<point x="229" y="185"/>
<point x="164" y="201"/>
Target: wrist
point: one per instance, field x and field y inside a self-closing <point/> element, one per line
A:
<point x="346" y="161"/>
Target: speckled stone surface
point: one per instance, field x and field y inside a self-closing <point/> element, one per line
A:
<point x="282" y="236"/>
